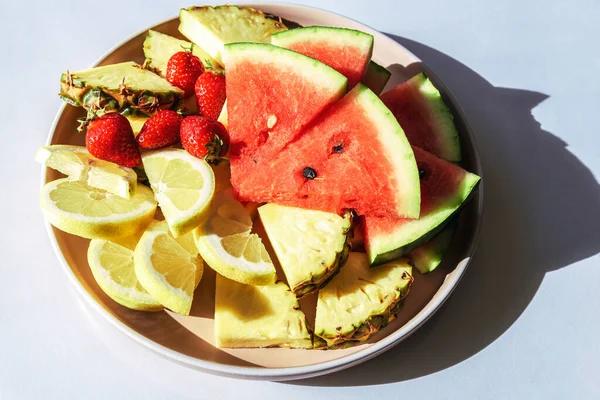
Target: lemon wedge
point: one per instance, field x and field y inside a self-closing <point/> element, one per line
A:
<point x="228" y="246"/>
<point x="166" y="269"/>
<point x="79" y="209"/>
<point x="183" y="185"/>
<point x="112" y="267"/>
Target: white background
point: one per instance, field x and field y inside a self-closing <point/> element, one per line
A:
<point x="524" y="323"/>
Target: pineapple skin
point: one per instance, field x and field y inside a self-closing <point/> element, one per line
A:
<point x="99" y="99"/>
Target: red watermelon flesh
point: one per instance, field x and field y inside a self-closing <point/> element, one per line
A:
<point x="272" y="93"/>
<point x="427" y="122"/>
<point x="345" y="50"/>
<point x="444" y="188"/>
<point x="359" y="154"/>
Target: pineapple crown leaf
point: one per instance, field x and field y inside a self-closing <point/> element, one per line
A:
<point x="69" y="78"/>
<point x="83" y="123"/>
<point x="123" y="89"/>
<point x="147" y="66"/>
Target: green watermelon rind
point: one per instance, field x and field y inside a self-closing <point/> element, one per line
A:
<point x="429" y="256"/>
<point x="376" y="77"/>
<point x="411" y="235"/>
<point x="345" y="36"/>
<point x="440" y="115"/>
<point x="315" y="71"/>
<point x="397" y="150"/>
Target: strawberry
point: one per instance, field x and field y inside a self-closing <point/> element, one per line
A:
<point x="111" y="138"/>
<point x="210" y="93"/>
<point x="204" y="137"/>
<point x="160" y="130"/>
<point x="183" y="69"/>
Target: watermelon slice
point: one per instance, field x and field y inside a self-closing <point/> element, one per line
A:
<point x="427" y="122"/>
<point x="377" y="77"/>
<point x="346" y="50"/>
<point x="272" y="93"/>
<point x="353" y="156"/>
<point x="444" y="188"/>
<point x="429" y="256"/>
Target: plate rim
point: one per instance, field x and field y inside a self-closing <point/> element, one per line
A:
<point x="283" y="373"/>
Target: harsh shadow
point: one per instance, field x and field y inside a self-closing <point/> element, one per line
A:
<point x="542" y="212"/>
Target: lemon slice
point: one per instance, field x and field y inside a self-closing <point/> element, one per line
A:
<point x="228" y="246"/>
<point x="79" y="165"/>
<point x="183" y="185"/>
<point x="112" y="267"/>
<point x="81" y="210"/>
<point x="166" y="269"/>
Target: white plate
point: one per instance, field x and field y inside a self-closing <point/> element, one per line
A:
<point x="189" y="340"/>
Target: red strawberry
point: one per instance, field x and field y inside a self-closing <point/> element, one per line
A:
<point x="160" y="130"/>
<point x="210" y="93"/>
<point x="183" y="69"/>
<point x="111" y="138"/>
<point x="204" y="137"/>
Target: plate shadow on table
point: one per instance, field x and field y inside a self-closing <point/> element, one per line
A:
<point x="541" y="213"/>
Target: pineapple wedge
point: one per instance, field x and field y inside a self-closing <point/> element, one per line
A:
<point x="359" y="301"/>
<point x="311" y="245"/>
<point x="158" y="48"/>
<point x="124" y="86"/>
<point x="137" y="122"/>
<point x="223" y="117"/>
<point x="213" y="27"/>
<point x="258" y="316"/>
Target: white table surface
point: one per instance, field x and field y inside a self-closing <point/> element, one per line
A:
<point x="523" y="324"/>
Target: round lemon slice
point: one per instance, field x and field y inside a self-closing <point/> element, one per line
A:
<point x="76" y="208"/>
<point x="79" y="165"/>
<point x="112" y="267"/>
<point x="227" y="244"/>
<point x="166" y="269"/>
<point x="183" y="185"/>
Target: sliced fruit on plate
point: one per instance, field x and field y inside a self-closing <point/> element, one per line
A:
<point x="223" y="116"/>
<point x="136" y="121"/>
<point x="187" y="242"/>
<point x="79" y="209"/>
<point x="311" y="246"/>
<point x="272" y="93"/>
<point x="214" y="27"/>
<point x="227" y="244"/>
<point x="376" y="77"/>
<point x="112" y="267"/>
<point x="359" y="301"/>
<point x="183" y="185"/>
<point x="158" y="48"/>
<point x="118" y="87"/>
<point x="166" y="269"/>
<point x="426" y="120"/>
<point x="444" y="189"/>
<point x="258" y="316"/>
<point x="429" y="256"/>
<point x="354" y="156"/>
<point x="79" y="165"/>
<point x="347" y="51"/>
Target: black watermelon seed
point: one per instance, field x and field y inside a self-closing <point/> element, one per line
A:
<point x="422" y="173"/>
<point x="309" y="173"/>
<point x="338" y="148"/>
